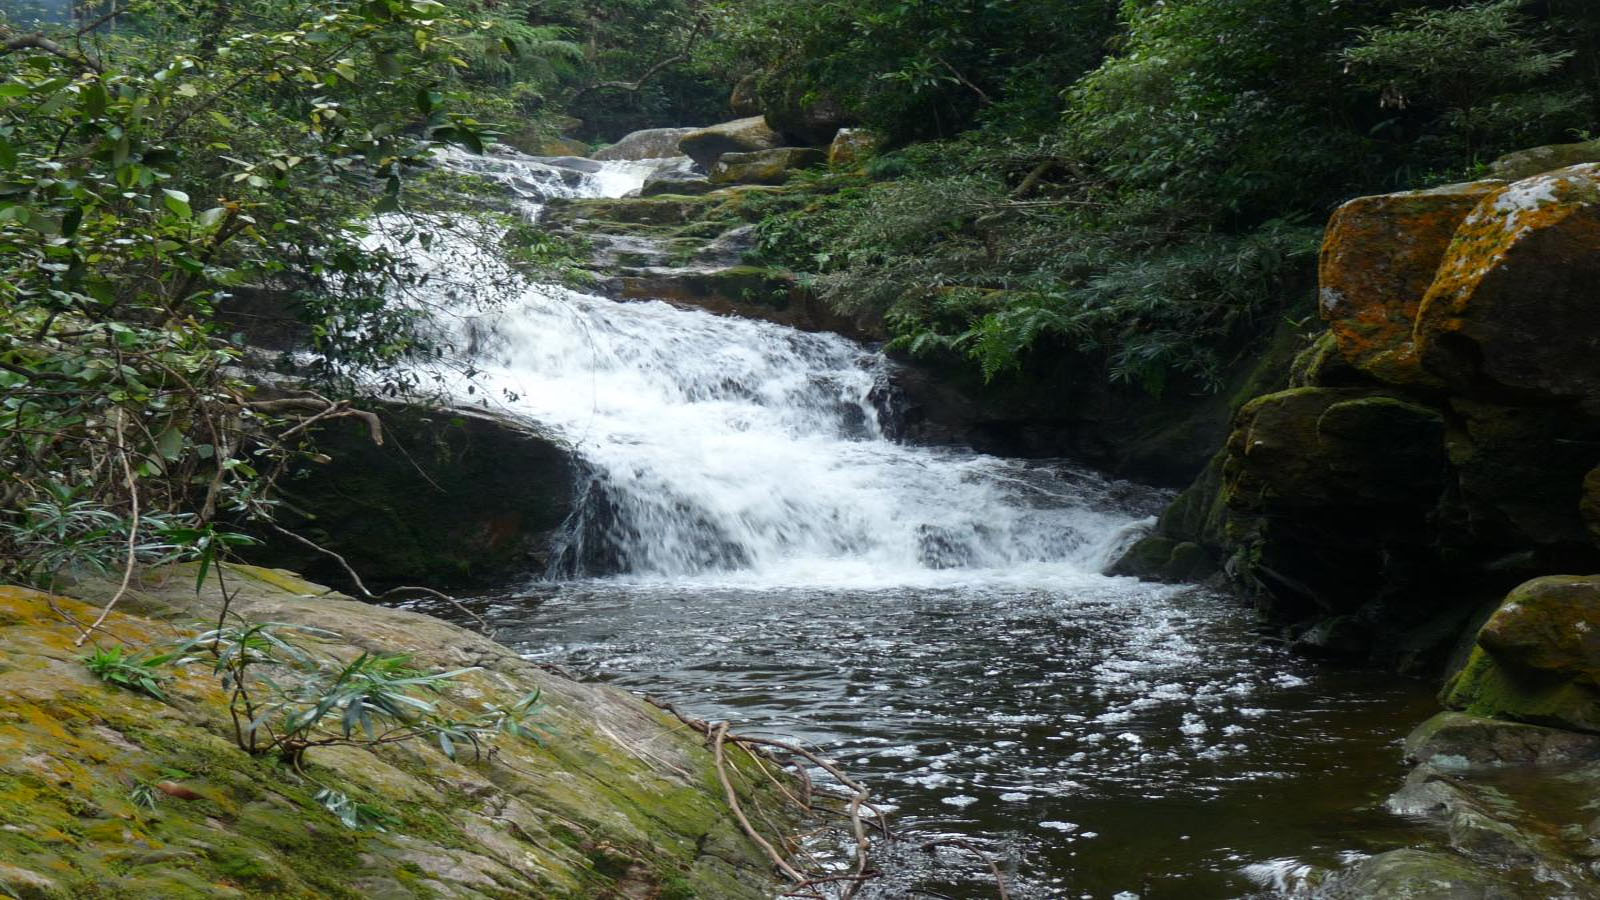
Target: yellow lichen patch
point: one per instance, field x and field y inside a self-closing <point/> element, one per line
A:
<point x="1378" y="258"/>
<point x="1514" y="304"/>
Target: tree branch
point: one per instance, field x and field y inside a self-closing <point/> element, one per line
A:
<point x="37" y="41"/>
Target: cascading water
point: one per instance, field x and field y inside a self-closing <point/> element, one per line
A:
<point x="755" y="546"/>
<point x="756" y="452"/>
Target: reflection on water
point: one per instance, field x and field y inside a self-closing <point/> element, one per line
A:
<point x="1101" y="737"/>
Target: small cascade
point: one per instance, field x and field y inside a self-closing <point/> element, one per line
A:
<point x="736" y="449"/>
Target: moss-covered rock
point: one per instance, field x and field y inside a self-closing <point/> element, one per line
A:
<point x="1458" y="742"/>
<point x="108" y="793"/>
<point x="852" y="147"/>
<point x="1538" y="657"/>
<point x="1513" y="308"/>
<point x="764" y="166"/>
<point x="1419" y="875"/>
<point x="1538" y="160"/>
<point x="751" y="292"/>
<point x="1549" y="626"/>
<point x="1379" y="256"/>
<point x="707" y="145"/>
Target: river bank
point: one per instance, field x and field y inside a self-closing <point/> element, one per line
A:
<point x="110" y="793"/>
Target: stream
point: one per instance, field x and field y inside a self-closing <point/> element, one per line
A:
<point x="755" y="546"/>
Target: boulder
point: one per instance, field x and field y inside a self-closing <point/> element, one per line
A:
<point x="652" y="143"/>
<point x="528" y="819"/>
<point x="1549" y="626"/>
<point x="763" y="166"/>
<point x="1320" y="447"/>
<point x="852" y="147"/>
<point x="744" y="101"/>
<point x="1379" y="256"/>
<point x="1537" y="659"/>
<point x="453" y="497"/>
<point x="750" y="292"/>
<point x="1538" y="160"/>
<point x="811" y="124"/>
<point x="1457" y="742"/>
<point x="1418" y="875"/>
<point x="559" y="146"/>
<point x="1514" y="308"/>
<point x="707" y="145"/>
<point x="682" y="177"/>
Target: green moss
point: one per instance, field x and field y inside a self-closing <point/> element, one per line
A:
<point x="1485" y="688"/>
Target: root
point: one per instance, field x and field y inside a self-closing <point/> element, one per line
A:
<point x="857" y="804"/>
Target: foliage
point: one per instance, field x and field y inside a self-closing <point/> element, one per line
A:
<point x="315" y="701"/>
<point x="134" y="670"/>
<point x="1481" y="70"/>
<point x="1170" y="200"/>
<point x="915" y="70"/>
<point x="147" y="177"/>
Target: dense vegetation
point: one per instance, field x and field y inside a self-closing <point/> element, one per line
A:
<point x="1141" y="184"/>
<point x="1133" y="186"/>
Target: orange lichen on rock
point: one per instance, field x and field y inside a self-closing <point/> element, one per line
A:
<point x="1516" y="303"/>
<point x="1378" y="259"/>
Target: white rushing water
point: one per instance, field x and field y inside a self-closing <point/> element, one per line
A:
<point x="733" y="450"/>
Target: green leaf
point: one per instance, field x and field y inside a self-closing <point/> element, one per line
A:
<point x="12" y="89"/>
<point x="8" y="154"/>
<point x="178" y="202"/>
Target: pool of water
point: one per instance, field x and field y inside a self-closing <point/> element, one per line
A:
<point x="1099" y="737"/>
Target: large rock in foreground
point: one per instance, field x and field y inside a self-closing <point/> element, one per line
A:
<point x="109" y="793"/>
<point x="706" y="145"/>
<point x="453" y="497"/>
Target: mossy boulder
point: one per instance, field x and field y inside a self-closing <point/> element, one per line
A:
<point x="810" y="123"/>
<point x="453" y="497"/>
<point x="1549" y="626"/>
<point x="108" y="793"/>
<point x="707" y="145"/>
<point x="1538" y="160"/>
<point x="651" y="143"/>
<point x="1459" y="742"/>
<point x="764" y="166"/>
<point x="1379" y="256"/>
<point x="1537" y="659"/>
<point x="852" y="147"/>
<point x="1317" y="447"/>
<point x="1419" y="875"/>
<point x="1513" y="310"/>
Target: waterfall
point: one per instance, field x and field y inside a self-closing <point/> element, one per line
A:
<point x="735" y="450"/>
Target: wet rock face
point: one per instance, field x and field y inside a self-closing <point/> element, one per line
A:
<point x="616" y="801"/>
<point x="1439" y="445"/>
